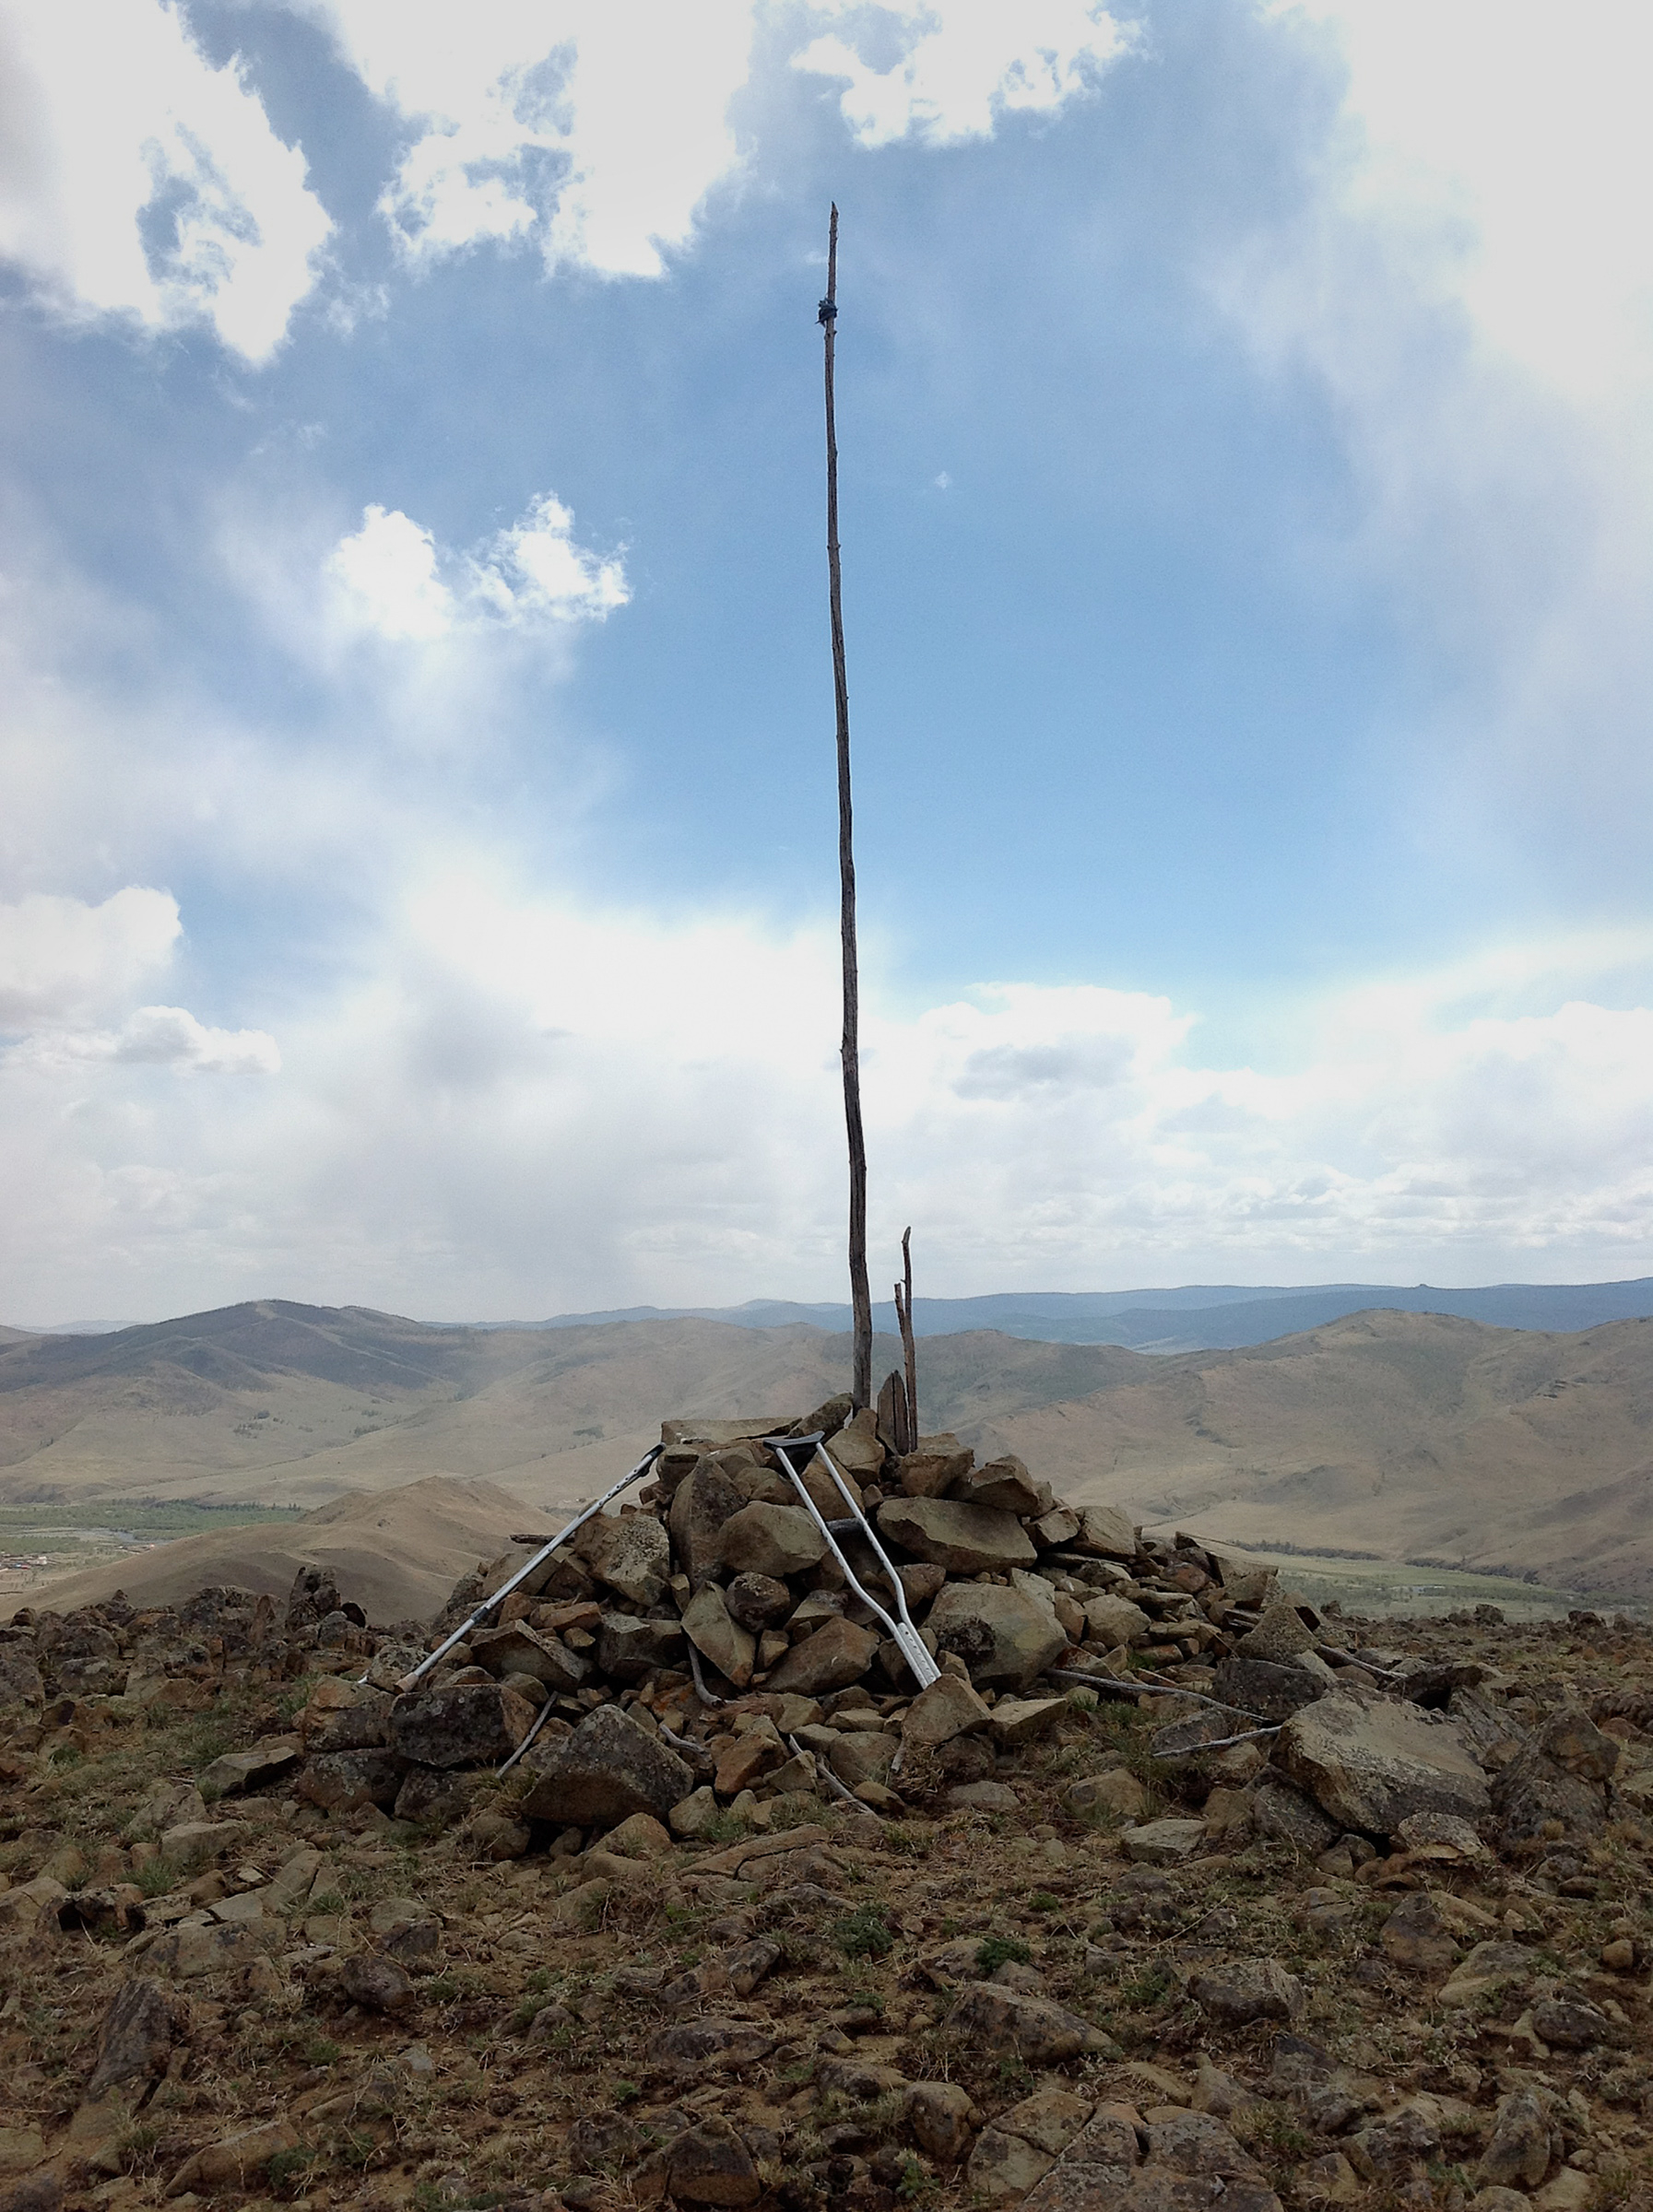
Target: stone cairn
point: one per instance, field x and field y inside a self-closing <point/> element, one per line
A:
<point x="700" y="1649"/>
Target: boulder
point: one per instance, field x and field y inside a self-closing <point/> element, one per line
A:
<point x="346" y="1782"/>
<point x="608" y="1768"/>
<point x="1233" y="1994"/>
<point x="193" y="1844"/>
<point x="1279" y="1635"/>
<point x="1008" y="2022"/>
<point x="1004" y="1637"/>
<point x="1371" y="1763"/>
<point x="20" y="1683"/>
<point x="1111" y="1621"/>
<point x="463" y="1724"/>
<point x="836" y="1655"/>
<point x="945" y="1709"/>
<point x="232" y="2161"/>
<point x="516" y="1649"/>
<point x="771" y="1540"/>
<point x="1004" y="1484"/>
<point x="1417" y="1936"/>
<point x="758" y="1601"/>
<point x="1106" y="1533"/>
<point x="361" y="1725"/>
<point x="1056" y="1530"/>
<point x="861" y="1755"/>
<point x="382" y="1983"/>
<point x="934" y="1467"/>
<point x="627" y="1647"/>
<point x="1520" y="2148"/>
<point x="856" y="1449"/>
<point x="136" y="2037"/>
<point x="965" y="1539"/>
<point x="942" y="2118"/>
<point x="711" y="2165"/>
<point x="235" y="1771"/>
<point x="702" y="1502"/>
<point x="729" y="1647"/>
<point x="1265" y="1687"/>
<point x="629" y="1552"/>
<point x="1534" y="1790"/>
<point x="1164" y="1843"/>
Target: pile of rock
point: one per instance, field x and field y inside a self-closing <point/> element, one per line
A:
<point x="701" y="1649"/>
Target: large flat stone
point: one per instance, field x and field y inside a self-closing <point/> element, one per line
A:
<point x="773" y="1540"/>
<point x="1369" y="1764"/>
<point x="965" y="1539"/>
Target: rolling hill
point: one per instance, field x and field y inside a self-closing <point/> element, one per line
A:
<point x="397" y="1553"/>
<point x="1407" y="1436"/>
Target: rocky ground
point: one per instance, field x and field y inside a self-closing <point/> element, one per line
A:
<point x="274" y="1931"/>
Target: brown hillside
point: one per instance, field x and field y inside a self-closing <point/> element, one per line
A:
<point x="1412" y="1436"/>
<point x="396" y="1552"/>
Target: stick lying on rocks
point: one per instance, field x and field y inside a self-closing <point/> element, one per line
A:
<point x="1146" y="1685"/>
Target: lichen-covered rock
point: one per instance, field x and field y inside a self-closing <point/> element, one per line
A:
<point x="1370" y="1763"/>
<point x="461" y="1725"/>
<point x="608" y="1768"/>
<point x="1004" y="1637"/>
<point x="1008" y="2021"/>
<point x="1106" y="1533"/>
<point x="629" y="1647"/>
<point x="702" y="1502"/>
<point x="629" y="1552"/>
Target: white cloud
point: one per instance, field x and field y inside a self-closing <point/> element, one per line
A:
<point x="1469" y="279"/>
<point x="944" y="71"/>
<point x="63" y="963"/>
<point x="593" y="127"/>
<point x="139" y="182"/>
<point x="390" y="581"/>
<point x="519" y="1107"/>
<point x="387" y="572"/>
<point x="62" y="960"/>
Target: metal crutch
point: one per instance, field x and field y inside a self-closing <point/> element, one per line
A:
<point x="521" y="1574"/>
<point x="906" y="1635"/>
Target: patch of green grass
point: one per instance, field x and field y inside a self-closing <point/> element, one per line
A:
<point x="916" y="2182"/>
<point x="1140" y="1991"/>
<point x="863" y="1933"/>
<point x="994" y="1951"/>
<point x="320" y="2051"/>
<point x="327" y="1904"/>
<point x="1043" y="1901"/>
<point x="288" y="2168"/>
<point x="157" y="1877"/>
<point x="67" y="1755"/>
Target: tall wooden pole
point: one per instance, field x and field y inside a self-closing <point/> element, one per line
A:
<point x="860" y="1292"/>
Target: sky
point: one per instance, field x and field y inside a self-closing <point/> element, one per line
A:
<point x="418" y="878"/>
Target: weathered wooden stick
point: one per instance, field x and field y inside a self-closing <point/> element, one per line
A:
<point x="1111" y="1686"/>
<point x="860" y="1292"/>
<point x="904" y="1308"/>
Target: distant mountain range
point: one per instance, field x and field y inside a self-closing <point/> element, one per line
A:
<point x="1198" y="1317"/>
<point x="1421" y="1437"/>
